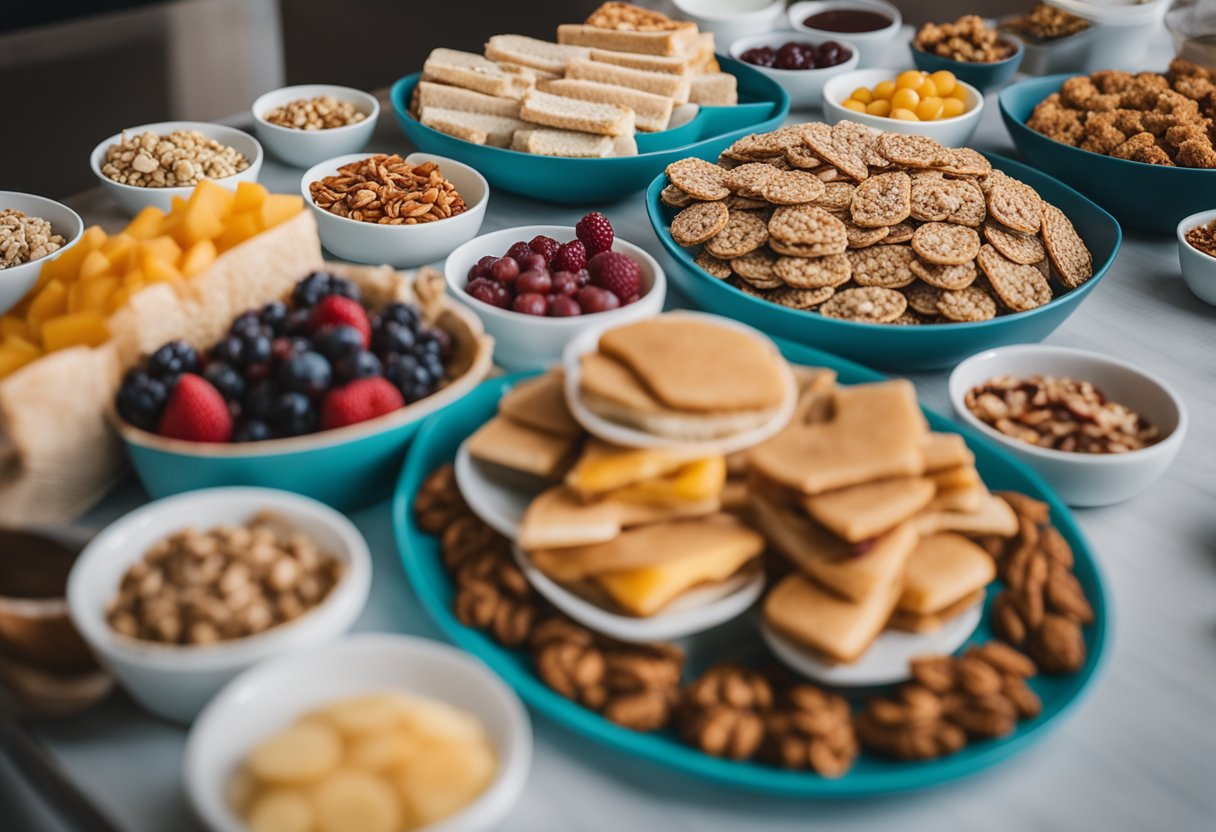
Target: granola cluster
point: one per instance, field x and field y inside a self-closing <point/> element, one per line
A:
<point x="1044" y="23"/>
<point x="1147" y="117"/>
<point x="24" y="238"/>
<point x="966" y="39"/>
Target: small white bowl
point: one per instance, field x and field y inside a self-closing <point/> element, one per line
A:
<point x="729" y="19"/>
<point x="175" y="681"/>
<point x="16" y="281"/>
<point x="528" y="342"/>
<point x="952" y="132"/>
<point x="1082" y="479"/>
<point x="274" y="694"/>
<point x="1198" y="269"/>
<point x="402" y="246"/>
<point x="132" y="199"/>
<point x="805" y="86"/>
<point x="305" y="148"/>
<point x="872" y="44"/>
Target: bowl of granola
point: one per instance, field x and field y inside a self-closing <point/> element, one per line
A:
<point x="33" y="231"/>
<point x="970" y="48"/>
<point x="306" y="124"/>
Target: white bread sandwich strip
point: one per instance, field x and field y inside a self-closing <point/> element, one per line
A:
<point x="574" y="114"/>
<point x="651" y="112"/>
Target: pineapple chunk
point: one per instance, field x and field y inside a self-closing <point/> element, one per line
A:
<point x="79" y="328"/>
<point x="15" y="353"/>
<point x="215" y="198"/>
<point x="146" y="224"/>
<point x="95" y="265"/>
<point x="161" y="248"/>
<point x="13" y="325"/>
<point x="158" y="271"/>
<point x="240" y="228"/>
<point x="278" y="208"/>
<point x="198" y="223"/>
<point x="51" y="301"/>
<point x="249" y="197"/>
<point x="198" y="257"/>
<point x="354" y="801"/>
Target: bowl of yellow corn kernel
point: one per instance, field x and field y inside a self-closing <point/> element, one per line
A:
<point x="937" y="104"/>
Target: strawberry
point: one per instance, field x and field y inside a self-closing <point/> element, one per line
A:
<point x="595" y="232"/>
<point x="196" y="412"/>
<point x="615" y="272"/>
<point x="571" y="257"/>
<point x="359" y="401"/>
<point x="335" y="309"/>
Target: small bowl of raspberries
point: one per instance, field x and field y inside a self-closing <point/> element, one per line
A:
<point x="537" y="286"/>
<point x="317" y="393"/>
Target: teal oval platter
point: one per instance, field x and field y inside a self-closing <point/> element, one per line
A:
<point x="924" y="347"/>
<point x="1152" y="198"/>
<point x="763" y="105"/>
<point x="436" y="444"/>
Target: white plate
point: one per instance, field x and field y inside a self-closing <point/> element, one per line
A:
<point x="499" y="504"/>
<point x="626" y="436"/>
<point x="887" y="660"/>
<point x="692" y="612"/>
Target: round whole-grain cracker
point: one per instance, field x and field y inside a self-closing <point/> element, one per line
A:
<point x="946" y="244"/>
<point x="951" y="278"/>
<point x="791" y="187"/>
<point x="1015" y="205"/>
<point x="1026" y="249"/>
<point x="744" y="231"/>
<point x="756" y="265"/>
<point x="747" y="178"/>
<point x="1019" y="287"/>
<point x="813" y="272"/>
<point x="1069" y="255"/>
<point x="922" y="297"/>
<point x="859" y="237"/>
<point x="793" y="298"/>
<point x="899" y="233"/>
<point x="865" y="304"/>
<point x="885" y="266"/>
<point x="911" y="151"/>
<point x="967" y="305"/>
<point x="882" y="200"/>
<point x="697" y="223"/>
<point x="807" y="225"/>
<point x="714" y="266"/>
<point x="698" y="178"/>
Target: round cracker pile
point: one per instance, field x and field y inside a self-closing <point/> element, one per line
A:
<point x="881" y="229"/>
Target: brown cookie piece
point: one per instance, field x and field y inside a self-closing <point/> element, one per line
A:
<point x="698" y="178"/>
<point x="793" y="298"/>
<point x="885" y="266"/>
<point x="1019" y="287"/>
<point x="674" y="197"/>
<point x="1015" y="205"/>
<point x="837" y="196"/>
<point x="899" y="233"/>
<point x="1026" y="249"/>
<point x="882" y="200"/>
<point x="697" y="223"/>
<point x="937" y="199"/>
<point x="714" y="266"/>
<point x="912" y="151"/>
<point x="859" y="237"/>
<point x="744" y="231"/>
<point x="865" y="304"/>
<point x="791" y="187"/>
<point x="1069" y="255"/>
<point x="767" y="145"/>
<point x="967" y="305"/>
<point x="951" y="278"/>
<point x="813" y="272"/>
<point x="807" y="225"/>
<point x="747" y="178"/>
<point x="922" y="297"/>
<point x="945" y="243"/>
<point x="840" y="146"/>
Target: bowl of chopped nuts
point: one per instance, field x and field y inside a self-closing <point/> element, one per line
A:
<point x="306" y="124"/>
<point x="1197" y="254"/>
<point x="181" y="595"/>
<point x="971" y="49"/>
<point x="1098" y="430"/>
<point x="33" y="231"/>
<point x="153" y="163"/>
<point x="386" y="209"/>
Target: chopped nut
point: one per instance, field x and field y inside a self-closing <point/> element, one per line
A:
<point x="180" y="159"/>
<point x="24" y="238"/>
<point x="966" y="39"/>
<point x="388" y="190"/>
<point x="323" y="112"/>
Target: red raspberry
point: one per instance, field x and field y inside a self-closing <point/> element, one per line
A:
<point x="196" y="412"/>
<point x="596" y="233"/>
<point x="489" y="291"/>
<point x="359" y="401"/>
<point x="334" y="310"/>
<point x="616" y="272"/>
<point x="519" y="250"/>
<point x="571" y="257"/>
<point x="546" y="247"/>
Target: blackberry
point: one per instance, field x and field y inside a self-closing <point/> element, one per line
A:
<point x="225" y="378"/>
<point x="405" y="314"/>
<point x="393" y="338"/>
<point x="274" y="316"/>
<point x="172" y="359"/>
<point x="141" y="399"/>
<point x="259" y="400"/>
<point x="309" y="291"/>
<point x="255" y="348"/>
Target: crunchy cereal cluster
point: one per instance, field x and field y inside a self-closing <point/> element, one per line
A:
<point x="1045" y="22"/>
<point x="966" y="39"/>
<point x="24" y="238"/>
<point x="1148" y="117"/>
<point x="323" y="112"/>
<point x="182" y="158"/>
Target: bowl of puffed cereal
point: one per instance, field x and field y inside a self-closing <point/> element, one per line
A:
<point x="309" y="123"/>
<point x="33" y="231"/>
<point x="1138" y="145"/>
<point x="970" y="48"/>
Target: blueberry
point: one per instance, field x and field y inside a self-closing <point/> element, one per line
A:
<point x="274" y="315"/>
<point x="342" y="286"/>
<point x="141" y="399"/>
<point x="259" y="400"/>
<point x="309" y="291"/>
<point x="400" y="364"/>
<point x="405" y="314"/>
<point x="292" y="414"/>
<point x="337" y="342"/>
<point x="307" y="372"/>
<point x="434" y="365"/>
<point x="393" y="337"/>
<point x="172" y="359"/>
<point x="255" y="349"/>
<point x="252" y="430"/>
<point x="415" y="392"/>
<point x="430" y="343"/>
<point x="246" y="323"/>
<point x="360" y="365"/>
<point x="298" y="322"/>
<point x="225" y="378"/>
<point x="227" y="349"/>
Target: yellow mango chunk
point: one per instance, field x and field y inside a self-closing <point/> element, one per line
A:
<point x="278" y="208"/>
<point x="13" y="325"/>
<point x="215" y="198"/>
<point x="248" y="197"/>
<point x="95" y="264"/>
<point x="146" y="223"/>
<point x="134" y="279"/>
<point x="158" y="271"/>
<point x="119" y="299"/>
<point x="240" y="228"/>
<point x="120" y="250"/>
<point x="160" y="248"/>
<point x="177" y="205"/>
<point x="80" y="328"/>
<point x="15" y="353"/>
<point x="198" y="223"/>
<point x="50" y="302"/>
<point x="198" y="257"/>
<point x="92" y="295"/>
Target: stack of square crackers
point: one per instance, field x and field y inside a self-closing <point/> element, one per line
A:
<point x="884" y="229"/>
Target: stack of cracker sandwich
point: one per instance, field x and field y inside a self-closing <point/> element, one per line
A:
<point x="625" y="70"/>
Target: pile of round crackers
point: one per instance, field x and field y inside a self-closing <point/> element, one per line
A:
<point x="885" y="229"/>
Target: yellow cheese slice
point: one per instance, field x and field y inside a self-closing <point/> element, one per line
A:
<point x="648" y="590"/>
<point x="602" y="467"/>
<point x="558" y="518"/>
<point x="694" y="482"/>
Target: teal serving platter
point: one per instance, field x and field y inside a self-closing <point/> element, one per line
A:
<point x="762" y="106"/>
<point x="436" y="445"/>
<point x="1151" y="198"/>
<point x="927" y="347"/>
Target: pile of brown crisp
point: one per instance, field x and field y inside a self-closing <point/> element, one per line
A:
<point x="1148" y="117"/>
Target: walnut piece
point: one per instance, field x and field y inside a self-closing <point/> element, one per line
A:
<point x="811" y="729"/>
<point x="722" y="712"/>
<point x="24" y="238"/>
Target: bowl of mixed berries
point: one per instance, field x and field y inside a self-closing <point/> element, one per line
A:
<point x="536" y="287"/>
<point x="318" y="393"/>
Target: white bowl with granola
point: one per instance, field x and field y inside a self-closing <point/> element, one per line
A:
<point x="175" y="605"/>
<point x="152" y="163"/>
<point x="1098" y="430"/>
<point x="33" y="231"/>
<point x="403" y="212"/>
<point x="309" y="123"/>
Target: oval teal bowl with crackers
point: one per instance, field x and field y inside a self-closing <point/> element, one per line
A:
<point x="910" y="270"/>
<point x="1147" y="197"/>
<point x="870" y="775"/>
<point x="762" y="105"/>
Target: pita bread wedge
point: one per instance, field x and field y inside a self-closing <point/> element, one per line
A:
<point x="516" y="447"/>
<point x="943" y="569"/>
<point x="540" y="403"/>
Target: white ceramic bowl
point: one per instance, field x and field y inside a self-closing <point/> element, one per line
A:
<point x="952" y="132"/>
<point x="402" y="246"/>
<point x="274" y="694"/>
<point x="16" y="281"/>
<point x="805" y="86"/>
<point x="730" y="19"/>
<point x="305" y="148"/>
<point x="1082" y="479"/>
<point x="527" y="342"/>
<point x="132" y="199"/>
<point x="872" y="44"/>
<point x="176" y="681"/>
<point x="1198" y="269"/>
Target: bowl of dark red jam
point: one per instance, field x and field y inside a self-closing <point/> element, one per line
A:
<point x="871" y="25"/>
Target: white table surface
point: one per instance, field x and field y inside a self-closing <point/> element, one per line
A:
<point x="1140" y="753"/>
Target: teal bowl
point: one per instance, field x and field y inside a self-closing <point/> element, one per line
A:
<point x="1152" y="198"/>
<point x="763" y="105"/>
<point x="983" y="77"/>
<point x="436" y="444"/>
<point x="928" y="347"/>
